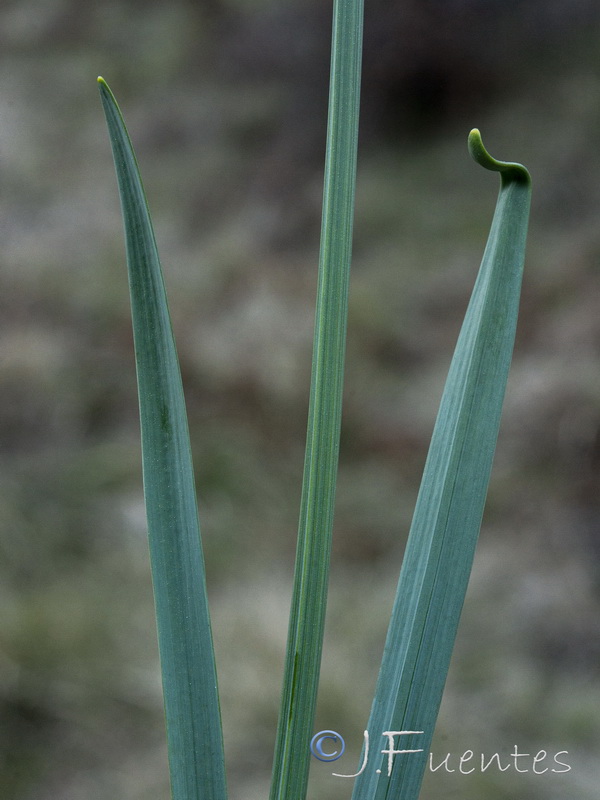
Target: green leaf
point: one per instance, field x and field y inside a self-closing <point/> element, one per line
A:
<point x="307" y="616"/>
<point x="447" y="518"/>
<point x="184" y="634"/>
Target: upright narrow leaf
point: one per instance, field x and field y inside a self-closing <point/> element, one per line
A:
<point x="447" y="518"/>
<point x="307" y="617"/>
<point x="184" y="635"/>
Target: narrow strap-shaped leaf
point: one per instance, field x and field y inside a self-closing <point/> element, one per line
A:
<point x="185" y="642"/>
<point x="307" y="616"/>
<point x="447" y="518"/>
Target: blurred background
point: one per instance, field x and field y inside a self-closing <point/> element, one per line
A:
<point x="226" y="105"/>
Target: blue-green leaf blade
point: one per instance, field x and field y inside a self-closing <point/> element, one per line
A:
<point x="185" y="641"/>
<point x="307" y="616"/>
<point x="447" y="518"/>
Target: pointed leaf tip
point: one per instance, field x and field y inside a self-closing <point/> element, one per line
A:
<point x="483" y="158"/>
<point x="105" y="91"/>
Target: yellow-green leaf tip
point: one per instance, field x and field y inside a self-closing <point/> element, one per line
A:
<point x="105" y="91"/>
<point x="482" y="157"/>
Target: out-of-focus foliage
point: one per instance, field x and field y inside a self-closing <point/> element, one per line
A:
<point x="229" y="134"/>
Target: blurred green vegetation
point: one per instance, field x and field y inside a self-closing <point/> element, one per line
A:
<point x="226" y="106"/>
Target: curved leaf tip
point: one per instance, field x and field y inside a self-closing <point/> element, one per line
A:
<point x="481" y="156"/>
<point x="103" y="86"/>
<point x="105" y="89"/>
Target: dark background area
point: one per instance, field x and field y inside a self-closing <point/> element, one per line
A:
<point x="226" y="105"/>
